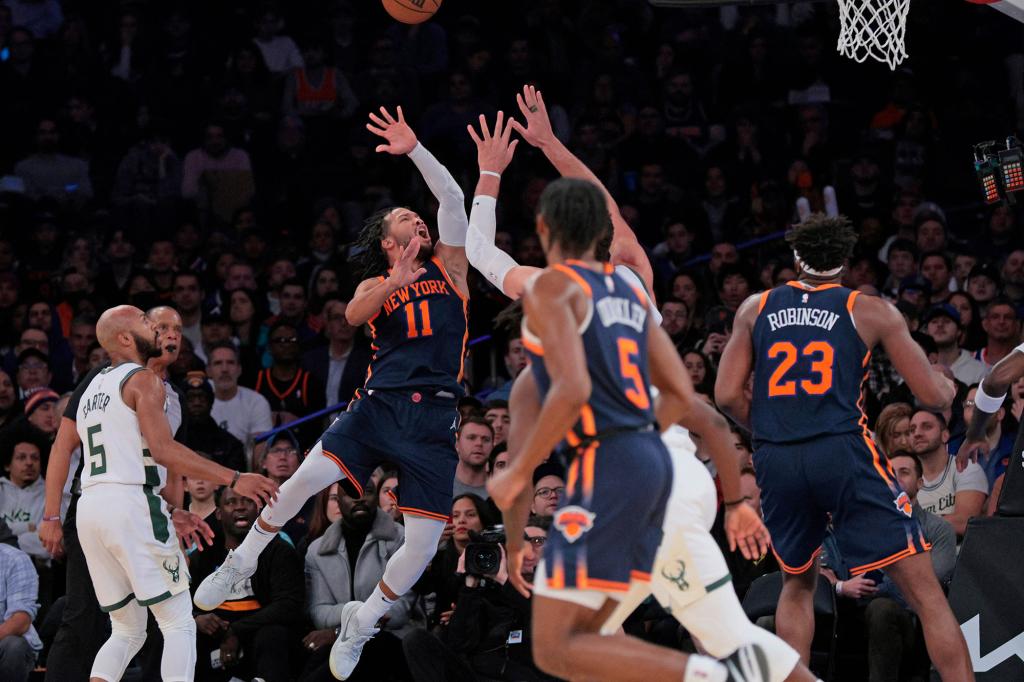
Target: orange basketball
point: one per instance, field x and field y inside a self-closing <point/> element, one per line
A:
<point x="411" y="11"/>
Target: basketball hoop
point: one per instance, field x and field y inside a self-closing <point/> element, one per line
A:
<point x="873" y="28"/>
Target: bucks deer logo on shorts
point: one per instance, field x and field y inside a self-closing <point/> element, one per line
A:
<point x="174" y="570"/>
<point x="679" y="579"/>
<point x="573" y="522"/>
<point x="903" y="504"/>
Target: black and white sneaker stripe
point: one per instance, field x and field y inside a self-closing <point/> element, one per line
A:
<point x="747" y="664"/>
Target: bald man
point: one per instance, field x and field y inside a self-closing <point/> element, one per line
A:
<point x="123" y="526"/>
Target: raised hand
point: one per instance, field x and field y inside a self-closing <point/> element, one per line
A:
<point x="401" y="139"/>
<point x="405" y="271"/>
<point x="746" y="531"/>
<point x="538" y="125"/>
<point x="494" y="151"/>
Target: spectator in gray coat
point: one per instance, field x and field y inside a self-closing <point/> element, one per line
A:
<point x="346" y="563"/>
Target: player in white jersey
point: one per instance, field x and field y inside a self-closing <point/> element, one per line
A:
<point x="123" y="523"/>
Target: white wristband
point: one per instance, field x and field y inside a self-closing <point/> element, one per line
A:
<point x="839" y="587"/>
<point x="497" y="175"/>
<point x="986" y="403"/>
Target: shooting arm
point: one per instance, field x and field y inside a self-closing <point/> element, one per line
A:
<point x="933" y="390"/>
<point x="451" y="216"/>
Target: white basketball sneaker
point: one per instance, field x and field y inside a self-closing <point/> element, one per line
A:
<point x="217" y="587"/>
<point x="351" y="639"/>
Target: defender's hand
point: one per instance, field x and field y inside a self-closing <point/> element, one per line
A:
<point x="259" y="489"/>
<point x="970" y="451"/>
<point x="191" y="528"/>
<point x="401" y="139"/>
<point x="538" y="125"/>
<point x="494" y="151"/>
<point x="746" y="531"/>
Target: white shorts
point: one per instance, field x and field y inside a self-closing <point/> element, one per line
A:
<point x="130" y="546"/>
<point x="689" y="563"/>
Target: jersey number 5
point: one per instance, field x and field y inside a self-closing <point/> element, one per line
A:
<point x="410" y="320"/>
<point x="97" y="455"/>
<point x="822" y="355"/>
<point x="637" y="393"/>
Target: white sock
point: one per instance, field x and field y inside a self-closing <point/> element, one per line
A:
<point x="257" y="539"/>
<point x="373" y="609"/>
<point x="703" y="669"/>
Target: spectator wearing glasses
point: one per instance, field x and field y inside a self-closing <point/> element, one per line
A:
<point x="291" y="391"/>
<point x="346" y="564"/>
<point x="280" y="461"/>
<point x="33" y="371"/>
<point x="489" y="634"/>
<point x="548" y="489"/>
<point x="474" y="442"/>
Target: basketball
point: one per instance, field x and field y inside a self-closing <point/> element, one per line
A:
<point x="411" y="11"/>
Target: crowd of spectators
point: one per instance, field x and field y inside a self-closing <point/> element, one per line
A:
<point x="213" y="157"/>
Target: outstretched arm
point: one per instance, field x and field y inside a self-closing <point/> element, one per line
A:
<point x="452" y="223"/>
<point x="626" y="249"/>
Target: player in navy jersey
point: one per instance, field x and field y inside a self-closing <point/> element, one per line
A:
<point x="808" y="344"/>
<point x="413" y="298"/>
<point x="594" y="350"/>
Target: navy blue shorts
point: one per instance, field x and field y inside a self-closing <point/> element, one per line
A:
<point x="412" y="430"/>
<point x="607" y="530"/>
<point x="843" y="475"/>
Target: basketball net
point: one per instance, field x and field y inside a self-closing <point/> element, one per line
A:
<point x="873" y="28"/>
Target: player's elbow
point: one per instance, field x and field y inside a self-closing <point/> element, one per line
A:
<point x="353" y="316"/>
<point x="574" y="394"/>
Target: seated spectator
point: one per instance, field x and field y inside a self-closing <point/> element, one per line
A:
<point x="240" y="411"/>
<point x="498" y="461"/>
<point x="548" y="489"/>
<point x="19" y="589"/>
<point x="216" y="175"/>
<point x="22" y="493"/>
<point x="316" y="89"/>
<point x="343" y="360"/>
<point x="253" y="633"/>
<point x="291" y="391"/>
<point x="1002" y="326"/>
<point x="677" y="322"/>
<point x="202" y="499"/>
<point x="280" y="52"/>
<point x="148" y="178"/>
<point x="488" y="634"/>
<point x="937" y="268"/>
<point x="473" y="444"/>
<point x="496" y="414"/>
<point x="1000" y="441"/>
<point x="203" y="434"/>
<point x="280" y="461"/>
<point x="953" y="495"/>
<point x="942" y="323"/>
<point x="325" y="512"/>
<point x="187" y="297"/>
<point x="700" y="369"/>
<point x="469" y="514"/>
<point x="10" y="409"/>
<point x="671" y="255"/>
<point x="52" y="175"/>
<point x="983" y="283"/>
<point x="388" y="499"/>
<point x="892" y="428"/>
<point x="214" y="330"/>
<point x="346" y="564"/>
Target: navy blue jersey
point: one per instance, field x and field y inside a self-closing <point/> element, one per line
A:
<point x="809" y="364"/>
<point x="615" y="343"/>
<point x="419" y="336"/>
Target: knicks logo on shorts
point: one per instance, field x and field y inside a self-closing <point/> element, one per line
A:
<point x="903" y="504"/>
<point x="573" y="522"/>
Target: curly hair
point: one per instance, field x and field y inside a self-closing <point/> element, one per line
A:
<point x="371" y="260"/>
<point x="576" y="214"/>
<point x="823" y="242"/>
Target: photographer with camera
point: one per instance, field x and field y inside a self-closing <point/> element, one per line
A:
<point x="488" y="634"/>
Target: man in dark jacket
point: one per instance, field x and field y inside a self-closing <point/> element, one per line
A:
<point x="343" y="359"/>
<point x="203" y="433"/>
<point x="254" y="633"/>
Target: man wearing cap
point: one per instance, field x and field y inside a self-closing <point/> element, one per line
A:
<point x="983" y="283"/>
<point x="1002" y="330"/>
<point x="33" y="371"/>
<point x="915" y="290"/>
<point x="942" y="323"/>
<point x="203" y="433"/>
<point x="215" y="329"/>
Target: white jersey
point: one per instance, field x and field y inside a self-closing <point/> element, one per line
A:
<point x="112" y="442"/>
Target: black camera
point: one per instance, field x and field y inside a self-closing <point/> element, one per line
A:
<point x="483" y="553"/>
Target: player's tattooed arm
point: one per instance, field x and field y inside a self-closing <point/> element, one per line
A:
<point x="736" y="365"/>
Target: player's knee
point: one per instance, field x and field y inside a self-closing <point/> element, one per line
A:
<point x="175" y="615"/>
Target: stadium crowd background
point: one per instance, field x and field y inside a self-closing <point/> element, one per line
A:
<point x="214" y="158"/>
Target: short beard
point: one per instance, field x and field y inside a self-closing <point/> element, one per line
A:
<point x="146" y="348"/>
<point x="426" y="250"/>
